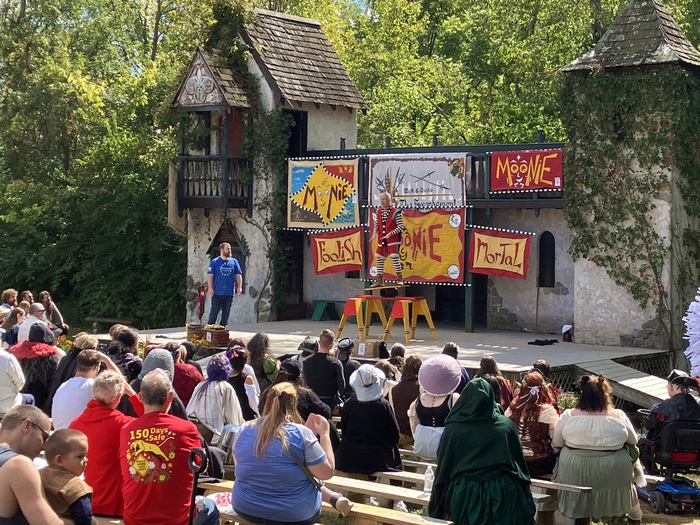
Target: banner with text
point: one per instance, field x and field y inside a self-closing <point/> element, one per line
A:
<point x="431" y="250"/>
<point x="419" y="180"/>
<point x="527" y="170"/>
<point x="499" y="253"/>
<point x="338" y="251"/>
<point x="322" y="194"/>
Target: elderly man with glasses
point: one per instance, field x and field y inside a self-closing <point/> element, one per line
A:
<point x="23" y="432"/>
<point x="36" y="313"/>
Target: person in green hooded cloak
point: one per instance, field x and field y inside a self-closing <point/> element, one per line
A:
<point x="481" y="478"/>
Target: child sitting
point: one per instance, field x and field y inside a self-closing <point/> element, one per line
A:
<point x="69" y="496"/>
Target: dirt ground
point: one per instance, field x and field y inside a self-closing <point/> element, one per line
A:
<point x="681" y="518"/>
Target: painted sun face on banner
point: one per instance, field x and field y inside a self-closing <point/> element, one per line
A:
<point x="322" y="194"/>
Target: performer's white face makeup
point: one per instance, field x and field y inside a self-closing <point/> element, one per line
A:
<point x="384" y="201"/>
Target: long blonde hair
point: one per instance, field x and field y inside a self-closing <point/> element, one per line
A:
<point x="280" y="408"/>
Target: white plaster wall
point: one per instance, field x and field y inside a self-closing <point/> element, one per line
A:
<point x="266" y="96"/>
<point x="201" y="232"/>
<point x="605" y="311"/>
<point x="326" y="126"/>
<point x="520" y="296"/>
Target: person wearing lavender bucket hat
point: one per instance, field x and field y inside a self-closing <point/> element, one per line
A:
<point x="438" y="377"/>
<point x="367" y="448"/>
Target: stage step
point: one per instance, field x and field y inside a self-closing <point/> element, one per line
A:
<point x="629" y="384"/>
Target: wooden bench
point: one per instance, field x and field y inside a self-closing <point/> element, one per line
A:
<point x="99" y="322"/>
<point x="366" y="514"/>
<point x="326" y="306"/>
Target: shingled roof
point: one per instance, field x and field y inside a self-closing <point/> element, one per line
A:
<point x="299" y="62"/>
<point x="197" y="88"/>
<point x="644" y="34"/>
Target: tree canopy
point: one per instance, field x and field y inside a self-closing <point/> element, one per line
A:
<point x="86" y="132"/>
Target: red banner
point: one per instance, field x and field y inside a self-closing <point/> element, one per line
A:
<point x="527" y="170"/>
<point x="338" y="251"/>
<point x="499" y="253"/>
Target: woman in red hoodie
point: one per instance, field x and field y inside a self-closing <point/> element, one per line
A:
<point x="101" y="422"/>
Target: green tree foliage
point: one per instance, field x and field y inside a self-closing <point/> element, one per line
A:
<point x="85" y="140"/>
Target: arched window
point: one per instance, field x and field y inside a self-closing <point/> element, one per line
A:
<point x="546" y="276"/>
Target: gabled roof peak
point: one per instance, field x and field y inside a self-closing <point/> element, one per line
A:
<point x="644" y="34"/>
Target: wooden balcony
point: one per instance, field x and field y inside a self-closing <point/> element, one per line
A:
<point x="205" y="181"/>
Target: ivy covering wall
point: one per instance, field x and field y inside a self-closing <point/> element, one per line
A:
<point x="633" y="143"/>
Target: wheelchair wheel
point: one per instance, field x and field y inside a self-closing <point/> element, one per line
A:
<point x="657" y="502"/>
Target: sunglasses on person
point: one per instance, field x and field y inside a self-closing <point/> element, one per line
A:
<point x="44" y="434"/>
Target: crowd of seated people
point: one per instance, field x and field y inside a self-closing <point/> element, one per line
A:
<point x="123" y="427"/>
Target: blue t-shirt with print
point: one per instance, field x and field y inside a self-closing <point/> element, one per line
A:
<point x="224" y="272"/>
<point x="274" y="487"/>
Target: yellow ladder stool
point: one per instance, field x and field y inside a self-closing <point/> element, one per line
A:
<point x="373" y="306"/>
<point x="352" y="307"/>
<point x="420" y="307"/>
<point x="399" y="311"/>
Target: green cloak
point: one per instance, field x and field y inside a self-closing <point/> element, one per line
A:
<point x="481" y="478"/>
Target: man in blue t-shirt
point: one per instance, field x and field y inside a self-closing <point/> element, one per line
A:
<point x="225" y="279"/>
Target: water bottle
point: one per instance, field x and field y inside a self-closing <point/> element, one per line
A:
<point x="401" y="506"/>
<point x="428" y="480"/>
<point x="373" y="501"/>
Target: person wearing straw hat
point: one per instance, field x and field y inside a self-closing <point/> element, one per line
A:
<point x="438" y="377"/>
<point x="368" y="426"/>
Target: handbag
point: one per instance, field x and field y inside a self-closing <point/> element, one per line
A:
<point x="316" y="482"/>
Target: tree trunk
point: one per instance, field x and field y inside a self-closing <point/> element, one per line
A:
<point x="156" y="30"/>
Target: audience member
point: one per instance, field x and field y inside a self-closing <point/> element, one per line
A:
<point x="542" y="367"/>
<point x="248" y="369"/>
<point x="214" y="402"/>
<point x="73" y="396"/>
<point x="532" y="411"/>
<point x="101" y="422"/>
<point x="271" y="485"/>
<point x="11" y="382"/>
<point x="23" y="432"/>
<point x="24" y="305"/>
<point x="9" y="301"/>
<point x="51" y="313"/>
<point x="185" y="377"/>
<point x="397" y="357"/>
<point x="123" y="351"/>
<point x="242" y="383"/>
<point x="496" y="385"/>
<point x="69" y="496"/>
<point x="488" y="365"/>
<point x="680" y="406"/>
<point x="594" y="436"/>
<point x="307" y="401"/>
<point x="191" y="351"/>
<point x="160" y="494"/>
<point x="11" y="326"/>
<point x="39" y="362"/>
<point x="403" y="394"/>
<point x="36" y="314"/>
<point x="481" y="477"/>
<point x="344" y="352"/>
<point x="368" y="447"/>
<point x="438" y="378"/>
<point x="390" y="374"/>
<point x="264" y="364"/>
<point x="452" y="349"/>
<point x="68" y="365"/>
<point x="26" y="296"/>
<point x="307" y="348"/>
<point x="323" y="373"/>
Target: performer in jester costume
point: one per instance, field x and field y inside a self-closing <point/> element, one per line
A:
<point x="388" y="225"/>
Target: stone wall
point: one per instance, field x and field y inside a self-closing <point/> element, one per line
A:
<point x="513" y="304"/>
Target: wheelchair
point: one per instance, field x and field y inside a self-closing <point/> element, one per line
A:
<point x="677" y="452"/>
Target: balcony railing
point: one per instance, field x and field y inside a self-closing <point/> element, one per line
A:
<point x="202" y="179"/>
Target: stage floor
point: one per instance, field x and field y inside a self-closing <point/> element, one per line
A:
<point x="510" y="349"/>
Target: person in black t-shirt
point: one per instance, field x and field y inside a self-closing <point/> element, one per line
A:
<point x="344" y="349"/>
<point x="323" y="373"/>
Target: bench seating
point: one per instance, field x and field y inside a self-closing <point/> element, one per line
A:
<point x="99" y="322"/>
<point x="367" y="515"/>
<point x="326" y="306"/>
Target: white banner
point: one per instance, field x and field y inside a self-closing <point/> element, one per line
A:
<point x="420" y="180"/>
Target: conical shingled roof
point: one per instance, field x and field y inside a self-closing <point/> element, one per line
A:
<point x="644" y="34"/>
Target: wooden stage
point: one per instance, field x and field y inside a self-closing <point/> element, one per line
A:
<point x="510" y="349"/>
